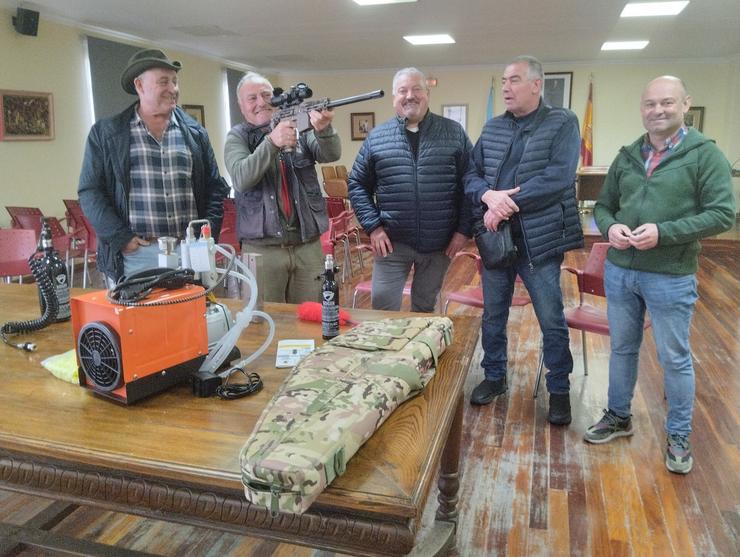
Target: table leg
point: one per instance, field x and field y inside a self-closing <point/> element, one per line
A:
<point x="449" y="477"/>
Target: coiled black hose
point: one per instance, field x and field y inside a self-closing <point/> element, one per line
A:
<point x="50" y="313"/>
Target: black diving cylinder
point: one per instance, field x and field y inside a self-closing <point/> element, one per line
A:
<point x="53" y="266"/>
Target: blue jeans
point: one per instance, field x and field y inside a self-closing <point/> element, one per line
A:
<point x="670" y="300"/>
<point x="543" y="283"/>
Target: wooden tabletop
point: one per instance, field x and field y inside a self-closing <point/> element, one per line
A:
<point x="176" y="456"/>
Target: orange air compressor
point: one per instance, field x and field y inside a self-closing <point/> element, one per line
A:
<point x="127" y="353"/>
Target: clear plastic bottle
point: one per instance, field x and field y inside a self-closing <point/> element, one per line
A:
<point x="329" y="301"/>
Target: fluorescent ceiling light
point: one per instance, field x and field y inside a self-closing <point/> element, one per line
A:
<point x="624" y="45"/>
<point x="646" y="9"/>
<point x="429" y="39"/>
<point x="376" y="2"/>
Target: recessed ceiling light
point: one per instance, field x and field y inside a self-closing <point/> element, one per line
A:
<point x="624" y="45"/>
<point x="429" y="39"/>
<point x="375" y="2"/>
<point x="646" y="9"/>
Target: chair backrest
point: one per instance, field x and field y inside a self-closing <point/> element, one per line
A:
<point x="341" y="171"/>
<point x="338" y="227"/>
<point x="328" y="172"/>
<point x="336" y="187"/>
<point x="334" y="206"/>
<point x="75" y="211"/>
<point x="229" y="204"/>
<point x="16" y="246"/>
<point x="592" y="281"/>
<point x="26" y="217"/>
<point x="228" y="229"/>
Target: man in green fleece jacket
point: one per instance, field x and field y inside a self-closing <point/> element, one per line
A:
<point x="662" y="194"/>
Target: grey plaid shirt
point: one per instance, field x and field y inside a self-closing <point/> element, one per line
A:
<point x="161" y="201"/>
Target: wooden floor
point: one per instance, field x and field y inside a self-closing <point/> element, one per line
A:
<point x="531" y="489"/>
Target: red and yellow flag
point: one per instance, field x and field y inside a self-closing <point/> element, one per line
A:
<point x="587" y="140"/>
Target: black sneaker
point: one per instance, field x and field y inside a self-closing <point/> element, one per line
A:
<point x="559" y="411"/>
<point x="487" y="390"/>
<point x="608" y="427"/>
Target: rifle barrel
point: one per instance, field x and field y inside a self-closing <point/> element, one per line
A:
<point x="357" y="98"/>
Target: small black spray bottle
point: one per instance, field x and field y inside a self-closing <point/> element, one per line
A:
<point x="329" y="301"/>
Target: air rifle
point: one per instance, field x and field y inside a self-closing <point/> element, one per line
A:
<point x="292" y="104"/>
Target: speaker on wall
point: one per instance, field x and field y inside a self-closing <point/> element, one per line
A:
<point x="26" y="22"/>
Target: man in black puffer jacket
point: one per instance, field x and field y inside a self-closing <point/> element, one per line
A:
<point x="407" y="192"/>
<point x="523" y="169"/>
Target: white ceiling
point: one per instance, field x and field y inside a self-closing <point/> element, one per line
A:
<point x="325" y="35"/>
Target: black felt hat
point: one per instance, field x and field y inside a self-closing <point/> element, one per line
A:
<point x="143" y="61"/>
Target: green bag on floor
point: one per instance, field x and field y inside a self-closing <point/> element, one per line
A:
<point x="332" y="402"/>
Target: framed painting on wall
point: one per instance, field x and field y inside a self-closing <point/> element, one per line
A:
<point x="197" y="112"/>
<point x="361" y="123"/>
<point x="26" y="116"/>
<point x="694" y="118"/>
<point x="557" y="89"/>
<point x="456" y="112"/>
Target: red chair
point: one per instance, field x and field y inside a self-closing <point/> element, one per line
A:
<point x="229" y="233"/>
<point x="366" y="287"/>
<point x="585" y="317"/>
<point x="29" y="218"/>
<point x="83" y="230"/>
<point x="16" y="246"/>
<point x="473" y="295"/>
<point x="335" y="206"/>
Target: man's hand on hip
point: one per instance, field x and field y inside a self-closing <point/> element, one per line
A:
<point x="134" y="244"/>
<point x="380" y="242"/>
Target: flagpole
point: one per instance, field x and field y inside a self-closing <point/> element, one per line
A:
<point x="587" y="141"/>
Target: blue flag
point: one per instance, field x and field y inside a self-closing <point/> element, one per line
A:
<point x="489" y="106"/>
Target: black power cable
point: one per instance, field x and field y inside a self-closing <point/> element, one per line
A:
<point x="238" y="390"/>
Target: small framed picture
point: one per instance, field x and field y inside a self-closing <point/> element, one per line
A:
<point x="197" y="112"/>
<point x="557" y="89"/>
<point x="694" y="118"/>
<point x="456" y="112"/>
<point x="362" y="123"/>
<point x="26" y="116"/>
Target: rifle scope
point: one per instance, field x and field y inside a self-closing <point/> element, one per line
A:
<point x="295" y="95"/>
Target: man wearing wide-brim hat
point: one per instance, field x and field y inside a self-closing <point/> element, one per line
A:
<point x="147" y="171"/>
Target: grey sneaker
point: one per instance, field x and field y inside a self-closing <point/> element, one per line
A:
<point x="678" y="457"/>
<point x="608" y="427"/>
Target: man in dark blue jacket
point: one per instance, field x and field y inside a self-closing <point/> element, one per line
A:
<point x="523" y="170"/>
<point x="147" y="171"/>
<point x="407" y="192"/>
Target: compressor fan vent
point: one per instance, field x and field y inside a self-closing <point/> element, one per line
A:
<point x="100" y="356"/>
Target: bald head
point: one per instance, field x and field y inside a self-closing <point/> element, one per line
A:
<point x="668" y="81"/>
<point x="663" y="105"/>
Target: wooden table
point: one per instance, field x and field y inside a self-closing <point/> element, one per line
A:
<point x="175" y="457"/>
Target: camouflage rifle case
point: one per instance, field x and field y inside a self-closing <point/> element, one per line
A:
<point x="332" y="402"/>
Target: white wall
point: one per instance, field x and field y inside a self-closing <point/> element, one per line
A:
<point x="617" y="89"/>
<point x="42" y="173"/>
